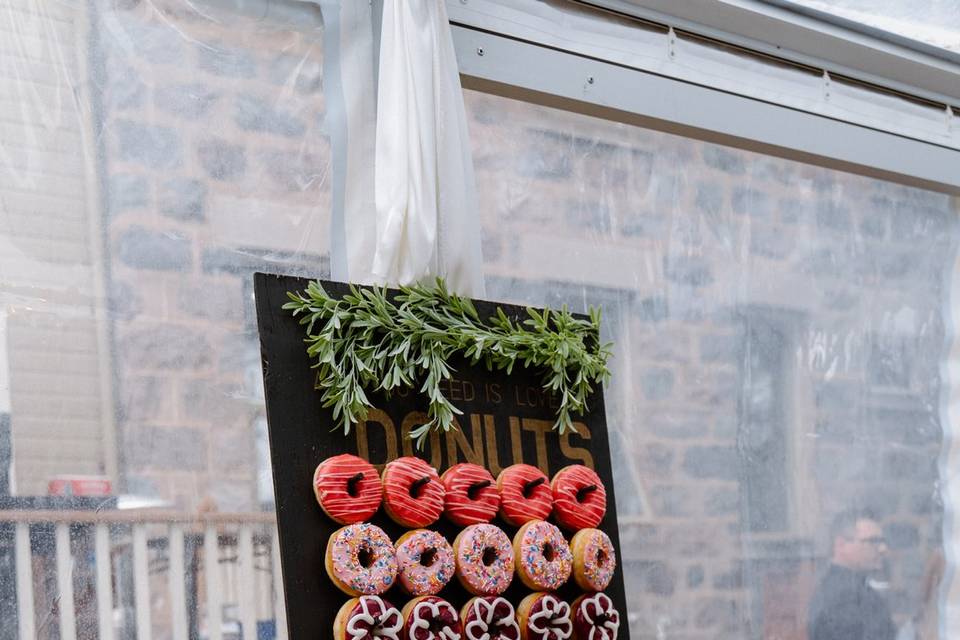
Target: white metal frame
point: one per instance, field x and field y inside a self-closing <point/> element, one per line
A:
<point x="641" y="81"/>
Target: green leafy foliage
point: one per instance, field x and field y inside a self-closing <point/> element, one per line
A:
<point x="367" y="341"/>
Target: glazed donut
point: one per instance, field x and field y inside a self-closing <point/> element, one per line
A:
<point x="424" y="561"/>
<point x="594" y="559"/>
<point x="367" y="618"/>
<point x="347" y="488"/>
<point x="430" y="618"/>
<point x="595" y="617"/>
<point x="543" y="616"/>
<point x="489" y="618"/>
<point x="412" y="492"/>
<point x="579" y="498"/>
<point x="524" y="494"/>
<point x="472" y="495"/>
<point x="543" y="558"/>
<point x="361" y="560"/>
<point x="484" y="559"/>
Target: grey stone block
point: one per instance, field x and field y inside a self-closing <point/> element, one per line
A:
<point x="222" y="160"/>
<point x="155" y="250"/>
<point x="688" y="270"/>
<point x="751" y="202"/>
<point x="721" y="502"/>
<point x="124" y="88"/>
<point x="157" y="43"/>
<point x="126" y="301"/>
<point x="227" y="61"/>
<point x="695" y="576"/>
<point x="834" y="216"/>
<point x="223" y="300"/>
<point x="253" y="113"/>
<point x="906" y="464"/>
<point x="126" y="191"/>
<point x="295" y="172"/>
<point x="719" y="613"/>
<point x="150" y="145"/>
<point x="656" y="577"/>
<point x="717" y="462"/>
<point x="732" y="579"/>
<point x="726" y="160"/>
<point x="190" y="101"/>
<point x="679" y="423"/>
<point x="655" y="458"/>
<point x="772" y="242"/>
<point x="657" y="383"/>
<point x="302" y="72"/>
<point x="709" y="198"/>
<point x="721" y="348"/>
<point x="183" y="199"/>
<point x="166" y="346"/>
<point x="671" y="501"/>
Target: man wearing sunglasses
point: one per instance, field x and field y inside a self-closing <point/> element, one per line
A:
<point x="845" y="606"/>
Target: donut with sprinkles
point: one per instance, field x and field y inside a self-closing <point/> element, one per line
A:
<point x="347" y="488"/>
<point x="543" y="557"/>
<point x="361" y="560"/>
<point x="425" y="562"/>
<point x="579" y="498"/>
<point x="412" y="492"/>
<point x="484" y="559"/>
<point x="594" y="559"/>
<point x="471" y="494"/>
<point x="525" y="494"/>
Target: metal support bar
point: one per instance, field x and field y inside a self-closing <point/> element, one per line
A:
<point x="560" y="79"/>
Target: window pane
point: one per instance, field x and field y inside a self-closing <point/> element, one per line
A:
<point x="935" y="22"/>
<point x="778" y="337"/>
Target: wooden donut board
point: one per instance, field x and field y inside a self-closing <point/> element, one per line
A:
<point x="506" y="419"/>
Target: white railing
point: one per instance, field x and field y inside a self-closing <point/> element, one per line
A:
<point x="180" y="589"/>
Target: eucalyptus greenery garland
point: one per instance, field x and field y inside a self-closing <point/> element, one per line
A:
<point x="367" y="340"/>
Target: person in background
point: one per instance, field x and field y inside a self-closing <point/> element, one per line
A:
<point x="844" y="605"/>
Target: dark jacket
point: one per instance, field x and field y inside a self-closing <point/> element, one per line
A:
<point x="845" y="607"/>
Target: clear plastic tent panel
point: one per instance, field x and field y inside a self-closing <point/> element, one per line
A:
<point x="779" y="329"/>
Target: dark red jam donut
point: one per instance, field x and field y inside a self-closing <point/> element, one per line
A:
<point x="347" y="488"/>
<point x="579" y="498"/>
<point x="430" y="618"/>
<point x="595" y="618"/>
<point x="489" y="618"/>
<point x="412" y="492"/>
<point x="472" y="496"/>
<point x="524" y="494"/>
<point x="367" y="618"/>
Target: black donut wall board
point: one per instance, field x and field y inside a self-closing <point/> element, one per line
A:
<point x="506" y="419"/>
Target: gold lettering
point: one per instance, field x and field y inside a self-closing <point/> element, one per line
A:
<point x="540" y="429"/>
<point x="577" y="453"/>
<point x="493" y="455"/>
<point x="413" y="420"/>
<point x="376" y="416"/>
<point x="515" y="440"/>
<point x="493" y="392"/>
<point x="457" y="440"/>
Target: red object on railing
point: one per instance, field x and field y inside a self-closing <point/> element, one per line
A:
<point x="79" y="486"/>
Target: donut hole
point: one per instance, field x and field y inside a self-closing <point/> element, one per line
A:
<point x="428" y="557"/>
<point x="365" y="557"/>
<point x="418" y="487"/>
<point x="584" y="492"/>
<point x="353" y="485"/>
<point x="548" y="552"/>
<point x="601" y="557"/>
<point x="489" y="556"/>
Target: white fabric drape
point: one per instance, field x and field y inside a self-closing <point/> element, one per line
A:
<point x="422" y="219"/>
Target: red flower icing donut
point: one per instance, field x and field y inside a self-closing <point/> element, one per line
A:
<point x="430" y="618"/>
<point x="367" y="618"/>
<point x="347" y="488"/>
<point x="412" y="492"/>
<point x="579" y="498"/>
<point x="524" y="494"/>
<point x="489" y="618"/>
<point x="543" y="616"/>
<point x="595" y="617"/>
<point x="472" y="496"/>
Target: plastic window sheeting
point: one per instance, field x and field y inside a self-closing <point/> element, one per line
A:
<point x="934" y="22"/>
<point x="153" y="155"/>
<point x="779" y="335"/>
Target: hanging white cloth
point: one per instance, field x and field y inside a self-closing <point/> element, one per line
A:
<point x="404" y="207"/>
<point x="427" y="217"/>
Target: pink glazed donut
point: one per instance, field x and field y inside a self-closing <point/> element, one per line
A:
<point x="484" y="559"/>
<point x="425" y="561"/>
